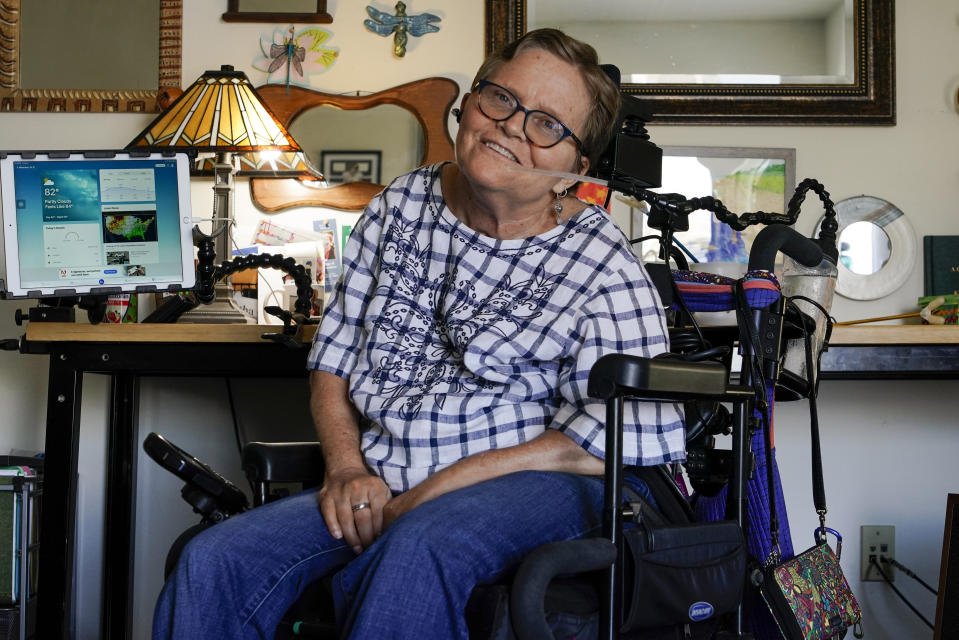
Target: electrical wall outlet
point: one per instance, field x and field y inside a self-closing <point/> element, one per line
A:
<point x="879" y="542"/>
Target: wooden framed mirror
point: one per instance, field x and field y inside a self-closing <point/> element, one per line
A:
<point x="288" y="11"/>
<point x="850" y="81"/>
<point x="35" y="77"/>
<point x="425" y="104"/>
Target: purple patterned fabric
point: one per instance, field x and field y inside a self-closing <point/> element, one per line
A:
<point x="758" y="542"/>
<point x="712" y="292"/>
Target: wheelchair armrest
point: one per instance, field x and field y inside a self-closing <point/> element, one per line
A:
<point x="667" y="377"/>
<point x="284" y="462"/>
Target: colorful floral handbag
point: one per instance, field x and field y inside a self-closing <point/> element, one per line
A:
<point x="809" y="597"/>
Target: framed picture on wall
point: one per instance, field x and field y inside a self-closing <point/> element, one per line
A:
<point x="341" y="167"/>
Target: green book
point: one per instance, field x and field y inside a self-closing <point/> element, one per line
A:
<point x="940" y="255"/>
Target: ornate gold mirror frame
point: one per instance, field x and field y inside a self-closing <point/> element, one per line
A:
<point x="15" y="98"/>
<point x="429" y="100"/>
<point x="869" y="100"/>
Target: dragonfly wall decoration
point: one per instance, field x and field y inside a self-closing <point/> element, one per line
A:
<point x="289" y="58"/>
<point x="289" y="54"/>
<point x="400" y="25"/>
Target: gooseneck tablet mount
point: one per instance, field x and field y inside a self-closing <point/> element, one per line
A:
<point x="208" y="274"/>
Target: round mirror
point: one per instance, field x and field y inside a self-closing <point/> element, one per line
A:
<point x="877" y="248"/>
<point x="864" y="248"/>
<point x="374" y="145"/>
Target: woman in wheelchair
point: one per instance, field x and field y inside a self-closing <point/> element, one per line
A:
<point x="449" y="378"/>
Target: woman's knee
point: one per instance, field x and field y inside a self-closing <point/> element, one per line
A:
<point x="262" y="536"/>
<point x="208" y="552"/>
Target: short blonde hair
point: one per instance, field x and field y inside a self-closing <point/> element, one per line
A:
<point x="603" y="110"/>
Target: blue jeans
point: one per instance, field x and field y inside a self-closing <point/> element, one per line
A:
<point x="238" y="578"/>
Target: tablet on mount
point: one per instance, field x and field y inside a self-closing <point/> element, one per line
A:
<point x="95" y="223"/>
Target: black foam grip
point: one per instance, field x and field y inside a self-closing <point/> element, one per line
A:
<point x="777" y="237"/>
<point x="528" y="594"/>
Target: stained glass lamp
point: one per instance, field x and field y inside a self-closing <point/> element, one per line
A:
<point x="222" y="114"/>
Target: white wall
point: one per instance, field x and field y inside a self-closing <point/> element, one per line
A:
<point x="887" y="445"/>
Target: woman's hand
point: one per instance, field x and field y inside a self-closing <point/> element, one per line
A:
<point x="342" y="490"/>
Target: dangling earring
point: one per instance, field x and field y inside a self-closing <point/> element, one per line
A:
<point x="457" y="114"/>
<point x="558" y="206"/>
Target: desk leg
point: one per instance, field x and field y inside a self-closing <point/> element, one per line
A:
<point x="55" y="580"/>
<point x="119" y="532"/>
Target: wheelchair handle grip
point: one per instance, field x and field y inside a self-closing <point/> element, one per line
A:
<point x="777" y="237"/>
<point x="528" y="594"/>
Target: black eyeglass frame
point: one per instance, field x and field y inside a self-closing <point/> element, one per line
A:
<point x="567" y="132"/>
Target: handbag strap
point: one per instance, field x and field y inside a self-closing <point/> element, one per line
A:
<point x="818" y="484"/>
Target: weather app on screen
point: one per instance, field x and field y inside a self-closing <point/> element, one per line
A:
<point x="97" y="223"/>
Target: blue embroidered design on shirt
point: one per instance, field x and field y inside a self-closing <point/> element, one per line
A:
<point x="430" y="338"/>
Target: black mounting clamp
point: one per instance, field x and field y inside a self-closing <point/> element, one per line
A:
<point x="293" y="324"/>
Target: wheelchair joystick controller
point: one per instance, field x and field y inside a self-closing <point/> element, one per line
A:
<point x="203" y="503"/>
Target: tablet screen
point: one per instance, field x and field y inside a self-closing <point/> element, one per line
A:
<point x="75" y="224"/>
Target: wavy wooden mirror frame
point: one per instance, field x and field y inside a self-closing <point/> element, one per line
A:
<point x="429" y="100"/>
<point x="869" y="100"/>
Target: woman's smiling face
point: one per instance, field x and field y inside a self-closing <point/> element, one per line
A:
<point x="486" y="149"/>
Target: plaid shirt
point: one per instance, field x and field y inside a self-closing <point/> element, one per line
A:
<point x="455" y="343"/>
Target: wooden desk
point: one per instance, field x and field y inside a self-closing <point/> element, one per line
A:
<point x="127" y="352"/>
<point x="124" y="352"/>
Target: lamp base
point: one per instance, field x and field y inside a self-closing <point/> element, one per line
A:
<point x="217" y="312"/>
<point x="220" y="311"/>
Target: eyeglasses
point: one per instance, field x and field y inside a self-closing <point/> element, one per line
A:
<point x="542" y="129"/>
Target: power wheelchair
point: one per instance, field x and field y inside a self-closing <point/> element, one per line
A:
<point x="597" y="587"/>
<point x="603" y="602"/>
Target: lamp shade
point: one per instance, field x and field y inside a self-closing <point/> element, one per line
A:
<point x="282" y="164"/>
<point x="220" y="112"/>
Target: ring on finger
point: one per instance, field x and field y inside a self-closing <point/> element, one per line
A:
<point x="360" y="506"/>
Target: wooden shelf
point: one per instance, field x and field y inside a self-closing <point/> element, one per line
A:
<point x="178" y="333"/>
<point x="899" y="352"/>
<point x="910" y="334"/>
<point x="67" y="331"/>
